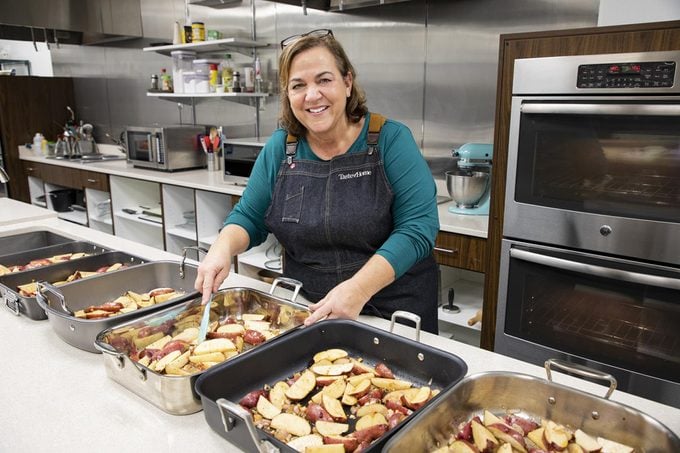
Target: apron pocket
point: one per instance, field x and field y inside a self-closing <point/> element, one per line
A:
<point x="292" y="208"/>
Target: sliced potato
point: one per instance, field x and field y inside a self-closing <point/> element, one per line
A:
<point x="301" y="388"/>
<point x="303" y="443"/>
<point x="260" y="326"/>
<point x="214" y="345"/>
<point x="208" y="357"/>
<point x="277" y="395"/>
<point x="160" y="298"/>
<point x="390" y="384"/>
<point x="354" y="380"/>
<point x="326" y="448"/>
<point x="141" y="343"/>
<point x="292" y="424"/>
<point x="334" y="408"/>
<point x="372" y="409"/>
<point x="190" y="335"/>
<point x="330" y="355"/>
<point x="266" y="408"/>
<point x="158" y="344"/>
<point x="372" y="419"/>
<point x="330" y="428"/>
<point x="236" y="329"/>
<point x="165" y="360"/>
<point x="332" y="370"/>
<point x="252" y="317"/>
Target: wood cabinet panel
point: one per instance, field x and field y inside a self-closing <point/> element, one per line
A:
<point x="32" y="169"/>
<point x="94" y="180"/>
<point x="461" y="251"/>
<point x="61" y="176"/>
<point x="648" y="37"/>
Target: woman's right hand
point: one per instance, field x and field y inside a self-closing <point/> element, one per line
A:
<point x="212" y="271"/>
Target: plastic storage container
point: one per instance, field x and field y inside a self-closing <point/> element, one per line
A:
<point x="181" y="62"/>
<point x="189" y="82"/>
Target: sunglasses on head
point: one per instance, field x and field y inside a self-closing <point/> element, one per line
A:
<point x="320" y="33"/>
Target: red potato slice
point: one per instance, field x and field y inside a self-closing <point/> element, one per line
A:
<point x="390" y="384"/>
<point x="334" y="390"/>
<point x="587" y="442"/>
<point x="462" y="446"/>
<point x="302" y="443"/>
<point x="252" y="317"/>
<point x="292" y="424"/>
<point x="574" y="448"/>
<point x="556" y="436"/>
<point x="190" y="335"/>
<point x="330" y="354"/>
<point x="266" y="408"/>
<point x="209" y="357"/>
<point x="260" y="326"/>
<point x="418" y="399"/>
<point x="491" y="419"/>
<point x="354" y="380"/>
<point x="332" y="370"/>
<point x="236" y="329"/>
<point x="505" y="448"/>
<point x="369" y="420"/>
<point x="163" y="362"/>
<point x="334" y="408"/>
<point x="327" y="380"/>
<point x="348" y="400"/>
<point x="483" y="438"/>
<point x="610" y="446"/>
<point x="504" y="433"/>
<point x="331" y="428"/>
<point x="277" y="395"/>
<point x="215" y="345"/>
<point x="326" y="448"/>
<point x="361" y="367"/>
<point x="536" y="436"/>
<point x="371" y="409"/>
<point x="360" y="389"/>
<point x="350" y="443"/>
<point x="301" y="388"/>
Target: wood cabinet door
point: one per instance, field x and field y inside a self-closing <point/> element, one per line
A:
<point x="94" y="180"/>
<point x="32" y="169"/>
<point x="457" y="250"/>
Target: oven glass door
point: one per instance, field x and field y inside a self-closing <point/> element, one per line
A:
<point x="601" y="157"/>
<point x="140" y="146"/>
<point x="617" y="312"/>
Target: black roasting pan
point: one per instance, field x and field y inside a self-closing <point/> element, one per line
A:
<point x="23" y="242"/>
<point x="280" y="359"/>
<point x="25" y="257"/>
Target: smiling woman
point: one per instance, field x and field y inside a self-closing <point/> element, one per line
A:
<point x="346" y="192"/>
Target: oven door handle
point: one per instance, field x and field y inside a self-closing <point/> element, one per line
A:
<point x="603" y="109"/>
<point x="600" y="271"/>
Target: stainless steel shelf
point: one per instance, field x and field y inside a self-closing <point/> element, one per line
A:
<point x="218" y="46"/>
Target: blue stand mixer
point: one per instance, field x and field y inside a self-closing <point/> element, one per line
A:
<point x="470" y="185"/>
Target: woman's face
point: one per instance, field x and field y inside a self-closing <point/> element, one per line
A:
<point x="317" y="92"/>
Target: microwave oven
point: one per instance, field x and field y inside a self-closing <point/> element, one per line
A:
<point x="239" y="155"/>
<point x="166" y="148"/>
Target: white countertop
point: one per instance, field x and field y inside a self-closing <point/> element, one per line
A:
<point x="13" y="211"/>
<point x="470" y="225"/>
<point x="58" y="398"/>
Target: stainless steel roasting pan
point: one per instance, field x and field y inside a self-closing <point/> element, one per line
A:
<point x="175" y="394"/>
<point x="60" y="303"/>
<point x="23" y="242"/>
<point x="27" y="306"/>
<point x="536" y="398"/>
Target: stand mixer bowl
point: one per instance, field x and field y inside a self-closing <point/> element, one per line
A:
<point x="466" y="188"/>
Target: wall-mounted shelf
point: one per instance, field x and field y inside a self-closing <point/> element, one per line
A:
<point x="218" y="46"/>
<point x="163" y="95"/>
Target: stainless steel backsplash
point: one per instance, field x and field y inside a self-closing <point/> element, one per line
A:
<point x="430" y="64"/>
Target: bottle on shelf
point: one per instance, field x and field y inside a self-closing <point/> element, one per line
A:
<point x="213" y="77"/>
<point x="227" y="67"/>
<point x="37" y="144"/>
<point x="166" y="81"/>
<point x="258" y="75"/>
<point x="236" y="83"/>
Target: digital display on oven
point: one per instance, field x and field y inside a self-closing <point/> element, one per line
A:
<point x="651" y="74"/>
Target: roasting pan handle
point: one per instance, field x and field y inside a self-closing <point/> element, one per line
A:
<point x="409" y="316"/>
<point x="12" y="299"/>
<point x="230" y="412"/>
<point x="49" y="288"/>
<point x="582" y="371"/>
<point x="184" y="256"/>
<point x="118" y="357"/>
<point x="297" y="284"/>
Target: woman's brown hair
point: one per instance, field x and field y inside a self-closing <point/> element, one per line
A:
<point x="356" y="102"/>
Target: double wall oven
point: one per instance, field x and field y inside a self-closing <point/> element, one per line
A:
<point x="590" y="260"/>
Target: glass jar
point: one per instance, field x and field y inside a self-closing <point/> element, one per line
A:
<point x="197" y="32"/>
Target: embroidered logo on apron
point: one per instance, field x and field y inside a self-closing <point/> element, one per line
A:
<point x="356" y="174"/>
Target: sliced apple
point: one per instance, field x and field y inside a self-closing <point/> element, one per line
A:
<point x="291" y="423"/>
<point x="333" y="369"/>
<point x="331" y="428"/>
<point x="369" y="420"/>
<point x="587" y="442"/>
<point x="461" y="446"/>
<point x="556" y="436"/>
<point x="301" y="388"/>
<point x="390" y="384"/>
<point x="418" y="399"/>
<point x="483" y="439"/>
<point x="330" y="354"/>
<point x="536" y="436"/>
<point x="277" y="395"/>
<point x="371" y="409"/>
<point x="609" y="446"/>
<point x="302" y="443"/>
<point x="334" y="408"/>
<point x="266" y="408"/>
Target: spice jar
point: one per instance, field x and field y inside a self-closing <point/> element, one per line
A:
<point x="154" y="82"/>
<point x="197" y="32"/>
<point x="236" y="82"/>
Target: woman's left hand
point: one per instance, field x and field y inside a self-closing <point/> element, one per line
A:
<point x="344" y="301"/>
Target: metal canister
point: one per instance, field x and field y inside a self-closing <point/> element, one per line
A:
<point x="197" y="32"/>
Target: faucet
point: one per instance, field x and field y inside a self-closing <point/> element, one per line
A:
<point x="4" y="177"/>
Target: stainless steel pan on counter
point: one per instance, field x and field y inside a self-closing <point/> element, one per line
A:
<point x="40" y="257"/>
<point x="23" y="304"/>
<point x="61" y="303"/>
<point x="534" y="398"/>
<point x="23" y="242"/>
<point x="222" y="387"/>
<point x="123" y="344"/>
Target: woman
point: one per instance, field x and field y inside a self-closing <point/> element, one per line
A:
<point x="355" y="212"/>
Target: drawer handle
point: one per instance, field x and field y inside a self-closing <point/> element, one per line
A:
<point x="30" y="168"/>
<point x="449" y="251"/>
<point x="92" y="181"/>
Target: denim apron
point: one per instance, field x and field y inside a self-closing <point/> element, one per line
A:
<point x="331" y="217"/>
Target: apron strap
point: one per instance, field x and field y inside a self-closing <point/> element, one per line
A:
<point x="374" y="127"/>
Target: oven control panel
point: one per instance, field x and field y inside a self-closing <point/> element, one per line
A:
<point x="656" y="74"/>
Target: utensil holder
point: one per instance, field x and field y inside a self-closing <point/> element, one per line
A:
<point x="213" y="162"/>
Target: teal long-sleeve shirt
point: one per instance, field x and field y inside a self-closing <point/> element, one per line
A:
<point x="414" y="207"/>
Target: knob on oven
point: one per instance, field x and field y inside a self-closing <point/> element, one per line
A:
<point x="605" y="230"/>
